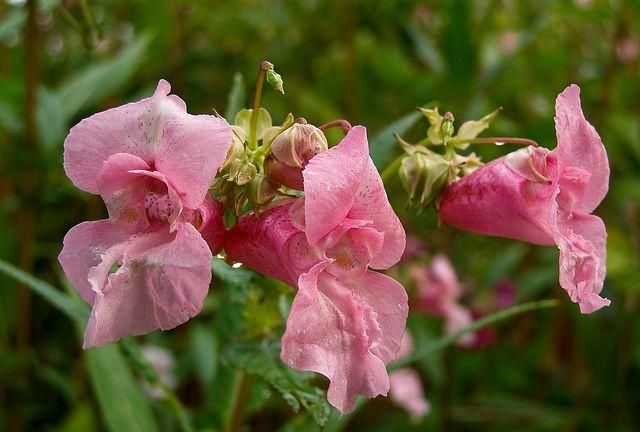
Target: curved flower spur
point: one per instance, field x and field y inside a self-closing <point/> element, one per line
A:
<point x="546" y="198"/>
<point x="148" y="265"/>
<point x="346" y="321"/>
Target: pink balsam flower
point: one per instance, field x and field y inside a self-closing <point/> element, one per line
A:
<point x="545" y="198"/>
<point x="406" y="387"/>
<point x="346" y="321"/>
<point x="148" y="265"/>
<point x="438" y="293"/>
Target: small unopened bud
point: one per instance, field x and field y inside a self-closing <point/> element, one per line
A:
<point x="261" y="190"/>
<point x="447" y="125"/>
<point x="242" y="172"/>
<point x="291" y="151"/>
<point x="236" y="149"/>
<point x="423" y="176"/>
<point x="275" y="80"/>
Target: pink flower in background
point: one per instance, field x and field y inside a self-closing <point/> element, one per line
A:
<point x="546" y="198"/>
<point x="148" y="265"/>
<point x="406" y="388"/>
<point x="438" y="292"/>
<point x="346" y="321"/>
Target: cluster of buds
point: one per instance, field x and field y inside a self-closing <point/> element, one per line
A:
<point x="423" y="172"/>
<point x="265" y="160"/>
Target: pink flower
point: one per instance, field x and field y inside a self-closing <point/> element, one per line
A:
<point x="406" y="387"/>
<point x="438" y="294"/>
<point x="346" y="321"/>
<point x="546" y="198"/>
<point x="148" y="265"/>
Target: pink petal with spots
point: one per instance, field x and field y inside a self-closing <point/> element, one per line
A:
<point x="580" y="146"/>
<point x="161" y="282"/>
<point x="270" y="244"/>
<point x="188" y="149"/>
<point x="347" y="330"/>
<point x="83" y="248"/>
<point x="212" y="226"/>
<point x="342" y="182"/>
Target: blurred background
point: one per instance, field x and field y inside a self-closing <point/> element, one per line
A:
<point x="371" y="63"/>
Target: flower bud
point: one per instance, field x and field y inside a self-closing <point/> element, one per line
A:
<point x="423" y="176"/>
<point x="291" y="151"/>
<point x="236" y="149"/>
<point x="261" y="190"/>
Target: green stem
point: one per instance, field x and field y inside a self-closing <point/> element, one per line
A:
<point x="392" y="168"/>
<point x="253" y="140"/>
<point x="476" y="325"/>
<point x="241" y="391"/>
<point x="495" y="140"/>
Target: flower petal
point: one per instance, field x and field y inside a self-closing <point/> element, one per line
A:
<point x="579" y="145"/>
<point x="161" y="283"/>
<point x="407" y="392"/>
<point x="83" y="247"/>
<point x="187" y="149"/>
<point x="582" y="243"/>
<point x="346" y="331"/>
<point x="270" y="244"/>
<point x="497" y="201"/>
<point x="212" y="226"/>
<point x="343" y="182"/>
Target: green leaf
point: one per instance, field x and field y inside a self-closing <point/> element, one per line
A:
<point x="382" y="144"/>
<point x="204" y="346"/>
<point x="71" y="307"/>
<point x="472" y="128"/>
<point x="263" y="359"/>
<point x="52" y="123"/>
<point x="101" y="79"/>
<point x="122" y="405"/>
<point x="236" y="98"/>
<point x="227" y="274"/>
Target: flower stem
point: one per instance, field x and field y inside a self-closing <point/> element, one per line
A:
<point x="241" y="391"/>
<point x="476" y="325"/>
<point x="496" y="140"/>
<point x="392" y="168"/>
<point x="253" y="141"/>
<point x="345" y="125"/>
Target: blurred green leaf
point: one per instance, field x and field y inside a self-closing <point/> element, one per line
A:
<point x="71" y="307"/>
<point x="100" y="79"/>
<point x="381" y="146"/>
<point x="204" y="345"/>
<point x="236" y="99"/>
<point x="122" y="405"/>
<point x="52" y="123"/>
<point x="234" y="276"/>
<point x="262" y="359"/>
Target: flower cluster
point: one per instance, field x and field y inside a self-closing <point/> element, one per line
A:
<point x="346" y="321"/>
<point x="316" y="218"/>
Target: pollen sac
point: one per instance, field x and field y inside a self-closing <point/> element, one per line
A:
<point x="424" y="175"/>
<point x="291" y="151"/>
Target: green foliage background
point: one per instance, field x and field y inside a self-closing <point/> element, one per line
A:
<point x="371" y="63"/>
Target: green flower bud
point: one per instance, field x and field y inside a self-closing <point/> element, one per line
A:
<point x="424" y="175"/>
<point x="275" y="80"/>
<point x="261" y="190"/>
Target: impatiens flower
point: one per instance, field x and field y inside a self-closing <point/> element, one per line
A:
<point x="148" y="265"/>
<point x="406" y="388"/>
<point x="163" y="362"/>
<point x="438" y="294"/>
<point x="546" y="198"/>
<point x="346" y="321"/>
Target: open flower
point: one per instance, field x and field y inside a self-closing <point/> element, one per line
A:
<point x="406" y="387"/>
<point x="346" y="321"/>
<point x="148" y="265"/>
<point x="546" y="198"/>
<point x="438" y="291"/>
